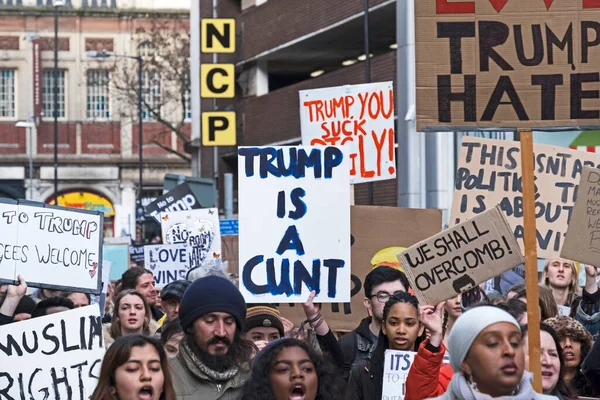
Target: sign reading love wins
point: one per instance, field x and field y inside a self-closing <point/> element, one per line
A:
<point x="198" y="229"/>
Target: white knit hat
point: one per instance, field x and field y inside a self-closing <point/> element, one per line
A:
<point x="468" y="326"/>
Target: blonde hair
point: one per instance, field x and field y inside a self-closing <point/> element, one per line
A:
<point x="573" y="286"/>
<point x="115" y="327"/>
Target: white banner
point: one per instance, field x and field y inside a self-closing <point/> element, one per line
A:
<point x="294" y="213"/>
<point x="358" y="118"/>
<point x="51" y="247"/>
<point x="168" y="262"/>
<point x="53" y="357"/>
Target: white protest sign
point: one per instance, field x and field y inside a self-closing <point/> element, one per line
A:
<point x="294" y="212"/>
<point x="54" y="357"/>
<point x="395" y="371"/>
<point x="51" y="247"/>
<point x="358" y="118"/>
<point x="198" y="229"/>
<point x="461" y="257"/>
<point x="168" y="262"/>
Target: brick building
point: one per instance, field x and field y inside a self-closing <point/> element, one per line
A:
<point x="97" y="133"/>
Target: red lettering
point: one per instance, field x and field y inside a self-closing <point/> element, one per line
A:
<point x="391" y="148"/>
<point x="361" y="153"/>
<point x="349" y="100"/>
<point x="309" y="104"/>
<point x="379" y="148"/>
<point x="353" y="168"/>
<point x="358" y="126"/>
<point x="363" y="104"/>
<point x="459" y="7"/>
<point x="373" y="114"/>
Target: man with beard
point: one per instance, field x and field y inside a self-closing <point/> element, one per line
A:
<point x="213" y="360"/>
<point x="380" y="285"/>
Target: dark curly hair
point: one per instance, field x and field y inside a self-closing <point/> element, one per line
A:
<point x="258" y="386"/>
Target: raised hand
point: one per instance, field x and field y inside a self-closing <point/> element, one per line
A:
<point x="431" y="317"/>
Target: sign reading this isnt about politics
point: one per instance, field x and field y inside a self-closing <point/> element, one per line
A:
<point x="294" y="212"/>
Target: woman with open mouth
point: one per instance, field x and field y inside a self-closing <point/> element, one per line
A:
<point x="289" y="369"/>
<point x="487" y="357"/>
<point x="400" y="330"/>
<point x="135" y="367"/>
<point x="132" y="316"/>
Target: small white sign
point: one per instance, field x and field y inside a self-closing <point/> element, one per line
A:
<point x="168" y="262"/>
<point x="395" y="372"/>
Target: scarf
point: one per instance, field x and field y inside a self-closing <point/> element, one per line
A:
<point x="460" y="388"/>
<point x="197" y="367"/>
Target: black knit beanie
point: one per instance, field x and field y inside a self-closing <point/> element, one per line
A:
<point x="212" y="294"/>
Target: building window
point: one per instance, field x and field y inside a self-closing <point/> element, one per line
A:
<point x="48" y="94"/>
<point x="97" y="94"/>
<point x="7" y="93"/>
<point x="145" y="49"/>
<point x="151" y="92"/>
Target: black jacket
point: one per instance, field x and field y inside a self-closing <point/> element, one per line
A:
<point x="591" y="367"/>
<point x="357" y="345"/>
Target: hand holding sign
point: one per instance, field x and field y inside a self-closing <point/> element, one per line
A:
<point x="431" y="317"/>
<point x="17" y="291"/>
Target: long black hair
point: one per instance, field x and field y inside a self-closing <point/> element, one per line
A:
<point x="561" y="387"/>
<point x="378" y="355"/>
<point x="258" y="386"/>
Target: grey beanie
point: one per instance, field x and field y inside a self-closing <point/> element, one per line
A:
<point x="468" y="326"/>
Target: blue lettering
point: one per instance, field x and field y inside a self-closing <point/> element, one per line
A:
<point x="291" y="241"/>
<point x="284" y="287"/>
<point x="333" y="158"/>
<point x="312" y="160"/>
<point x="249" y="154"/>
<point x="300" y="205"/>
<point x="247" y="276"/>
<point x="333" y="265"/>
<point x="301" y="276"/>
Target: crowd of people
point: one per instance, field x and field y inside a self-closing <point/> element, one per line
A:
<point x="200" y="340"/>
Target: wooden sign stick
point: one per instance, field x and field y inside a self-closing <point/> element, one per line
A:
<point x="531" y="272"/>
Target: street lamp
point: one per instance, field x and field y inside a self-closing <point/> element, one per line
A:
<point x="30" y="125"/>
<point x="104" y="54"/>
<point x="57" y="4"/>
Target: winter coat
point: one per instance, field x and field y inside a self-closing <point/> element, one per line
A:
<point x="591" y="366"/>
<point x="357" y="345"/>
<point x="190" y="387"/>
<point x="428" y="376"/>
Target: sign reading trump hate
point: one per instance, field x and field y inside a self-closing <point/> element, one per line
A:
<point x="507" y="63"/>
<point x="360" y="119"/>
<point x="168" y="262"/>
<point x="180" y="198"/>
<point x="461" y="257"/>
<point x="294" y="212"/>
<point x="582" y="241"/>
<point x="489" y="173"/>
<point x="54" y="357"/>
<point x="51" y="247"/>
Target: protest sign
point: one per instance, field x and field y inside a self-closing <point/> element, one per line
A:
<point x="461" y="257"/>
<point x="395" y="371"/>
<point x="198" y="229"/>
<point x="501" y="63"/>
<point x="118" y="255"/>
<point x="51" y="247"/>
<point x="360" y="119"/>
<point x="582" y="241"/>
<point x="168" y="262"/>
<point x="374" y="243"/>
<point x="489" y="173"/>
<point x="136" y="253"/>
<point x="180" y="198"/>
<point x="57" y="356"/>
<point x="294" y="211"/>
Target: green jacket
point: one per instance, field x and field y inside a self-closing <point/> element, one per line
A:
<point x="189" y="387"/>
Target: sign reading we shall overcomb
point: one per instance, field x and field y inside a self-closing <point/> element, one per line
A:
<point x="51" y="247"/>
<point x="294" y="212"/>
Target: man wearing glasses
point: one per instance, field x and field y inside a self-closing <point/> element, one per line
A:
<point x="380" y="284"/>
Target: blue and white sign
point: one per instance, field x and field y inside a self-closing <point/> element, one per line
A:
<point x="229" y="227"/>
<point x="294" y="211"/>
<point x="168" y="262"/>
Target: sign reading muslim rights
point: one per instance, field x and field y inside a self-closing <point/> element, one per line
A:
<point x="51" y="247"/>
<point x="294" y="212"/>
<point x="360" y="119"/>
<point x="54" y="357"/>
<point x="461" y="257"/>
<point x="489" y="173"/>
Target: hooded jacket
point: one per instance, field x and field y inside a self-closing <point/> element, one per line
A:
<point x="356" y="346"/>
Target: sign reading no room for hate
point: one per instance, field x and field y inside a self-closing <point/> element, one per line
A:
<point x="360" y="119"/>
<point x="507" y="63"/>
<point x="51" y="247"/>
<point x="294" y="211"/>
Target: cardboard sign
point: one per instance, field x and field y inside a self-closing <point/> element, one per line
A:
<point x="506" y="63"/>
<point x="375" y="242"/>
<point x="489" y="173"/>
<point x="57" y="356"/>
<point x="168" y="263"/>
<point x="180" y="198"/>
<point x="198" y="229"/>
<point x="51" y="247"/>
<point x="360" y="119"/>
<point x="136" y="253"/>
<point x="582" y="241"/>
<point x="461" y="257"/>
<point x="395" y="371"/>
<point x="294" y="211"/>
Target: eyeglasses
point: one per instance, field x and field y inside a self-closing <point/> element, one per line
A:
<point x="383" y="297"/>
